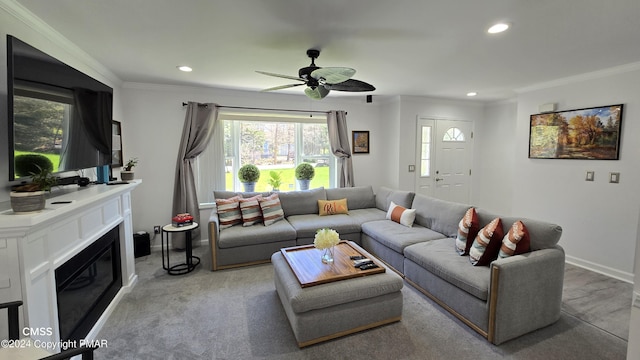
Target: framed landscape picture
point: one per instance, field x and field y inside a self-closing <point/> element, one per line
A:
<point x="116" y="144"/>
<point x="360" y="142"/>
<point x="590" y="134"/>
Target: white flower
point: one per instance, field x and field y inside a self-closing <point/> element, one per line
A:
<point x="326" y="238"/>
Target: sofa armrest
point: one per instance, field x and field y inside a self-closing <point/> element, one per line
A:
<point x="214" y="235"/>
<point x="525" y="293"/>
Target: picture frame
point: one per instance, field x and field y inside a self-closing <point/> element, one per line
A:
<point x="116" y="144"/>
<point x="360" y="142"/>
<point x="586" y="134"/>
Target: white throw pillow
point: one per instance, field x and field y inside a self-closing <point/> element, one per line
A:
<point x="401" y="215"/>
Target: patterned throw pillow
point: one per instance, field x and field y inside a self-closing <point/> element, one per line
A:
<point x="271" y="209"/>
<point x="332" y="207"/>
<point x="250" y="209"/>
<point x="486" y="246"/>
<point x="229" y="212"/>
<point x="516" y="241"/>
<point x="401" y="215"/>
<point x="468" y="228"/>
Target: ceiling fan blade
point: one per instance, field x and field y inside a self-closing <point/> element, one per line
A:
<point x="317" y="92"/>
<point x="280" y="76"/>
<point x="351" y="85"/>
<point x="281" y="87"/>
<point x="333" y="75"/>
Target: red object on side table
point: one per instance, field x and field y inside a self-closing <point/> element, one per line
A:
<point x="180" y="220"/>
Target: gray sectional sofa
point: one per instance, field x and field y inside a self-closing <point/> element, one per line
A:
<point x="509" y="298"/>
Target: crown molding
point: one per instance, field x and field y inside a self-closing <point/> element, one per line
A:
<point x="36" y="24"/>
<point x="582" y="77"/>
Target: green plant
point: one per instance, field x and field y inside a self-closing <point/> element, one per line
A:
<point x="42" y="180"/>
<point x="248" y="173"/>
<point x="275" y="179"/>
<point x="305" y="171"/>
<point x="130" y="164"/>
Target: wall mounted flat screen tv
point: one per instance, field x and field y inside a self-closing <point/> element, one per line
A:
<point x="58" y="117"/>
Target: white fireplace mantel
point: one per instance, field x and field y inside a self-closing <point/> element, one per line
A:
<point x="32" y="246"/>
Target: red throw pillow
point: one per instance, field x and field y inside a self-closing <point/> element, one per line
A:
<point x="516" y="241"/>
<point x="468" y="228"/>
<point x="486" y="246"/>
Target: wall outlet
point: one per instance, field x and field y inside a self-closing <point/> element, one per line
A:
<point x="156" y="229"/>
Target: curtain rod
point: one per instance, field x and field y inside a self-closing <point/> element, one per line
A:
<point x="269" y="109"/>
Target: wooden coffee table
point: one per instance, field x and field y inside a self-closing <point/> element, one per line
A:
<point x="310" y="270"/>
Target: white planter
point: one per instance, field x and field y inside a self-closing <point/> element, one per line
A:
<point x="27" y="202"/>
<point x="126" y="175"/>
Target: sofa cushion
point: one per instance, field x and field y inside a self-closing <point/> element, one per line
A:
<point x="468" y="228"/>
<point x="362" y="216"/>
<point x="385" y="196"/>
<point x="543" y="235"/>
<point x="516" y="241"/>
<point x="255" y="235"/>
<point x="401" y="215"/>
<point x="250" y="209"/>
<point x="487" y="244"/>
<point x="359" y="197"/>
<point x="301" y="202"/>
<point x="332" y="207"/>
<point x="307" y="225"/>
<point x="396" y="236"/>
<point x="439" y="215"/>
<point x="229" y="212"/>
<point x="437" y="258"/>
<point x="271" y="209"/>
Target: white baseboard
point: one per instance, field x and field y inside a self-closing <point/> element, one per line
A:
<point x="600" y="269"/>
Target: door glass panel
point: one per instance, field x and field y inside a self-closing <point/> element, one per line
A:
<point x="453" y="134"/>
<point x="425" y="156"/>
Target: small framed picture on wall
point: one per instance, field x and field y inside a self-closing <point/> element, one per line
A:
<point x="360" y="142"/>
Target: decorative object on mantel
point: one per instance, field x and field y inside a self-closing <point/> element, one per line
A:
<point x="30" y="197"/>
<point x="275" y="180"/>
<point x="248" y="174"/>
<point x="127" y="173"/>
<point x="326" y="239"/>
<point x="304" y="173"/>
<point x="584" y="134"/>
<point x="116" y="144"/>
<point x="360" y="142"/>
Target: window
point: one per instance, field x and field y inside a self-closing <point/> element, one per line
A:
<point x="425" y="153"/>
<point x="274" y="143"/>
<point x="453" y="134"/>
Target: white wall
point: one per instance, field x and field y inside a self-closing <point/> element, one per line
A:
<point x="599" y="219"/>
<point x="18" y="23"/>
<point x="152" y="128"/>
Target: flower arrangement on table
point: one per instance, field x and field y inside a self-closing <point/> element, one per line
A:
<point x="326" y="239"/>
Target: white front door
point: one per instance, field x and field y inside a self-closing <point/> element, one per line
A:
<point x="444" y="159"/>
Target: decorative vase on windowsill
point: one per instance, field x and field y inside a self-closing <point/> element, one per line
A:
<point x="248" y="174"/>
<point x="304" y="173"/>
<point x="326" y="239"/>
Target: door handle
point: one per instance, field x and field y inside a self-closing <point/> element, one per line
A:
<point x="439" y="179"/>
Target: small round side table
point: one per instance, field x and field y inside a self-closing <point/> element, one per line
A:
<point x="191" y="261"/>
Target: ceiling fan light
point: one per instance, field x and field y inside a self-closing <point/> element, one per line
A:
<point x="185" y="68"/>
<point x="498" y="28"/>
<point x="472" y="93"/>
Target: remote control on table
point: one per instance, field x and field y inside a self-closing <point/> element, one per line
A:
<point x="368" y="266"/>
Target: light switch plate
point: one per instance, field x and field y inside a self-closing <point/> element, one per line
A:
<point x="614" y="177"/>
<point x="590" y="176"/>
<point x="412" y="168"/>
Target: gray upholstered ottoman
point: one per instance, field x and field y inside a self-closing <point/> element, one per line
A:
<point x="327" y="311"/>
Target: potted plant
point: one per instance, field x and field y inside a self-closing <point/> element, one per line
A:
<point x="275" y="180"/>
<point x="304" y="173"/>
<point x="30" y="197"/>
<point x="127" y="173"/>
<point x="248" y="175"/>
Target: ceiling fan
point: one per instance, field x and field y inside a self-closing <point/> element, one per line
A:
<point x="320" y="81"/>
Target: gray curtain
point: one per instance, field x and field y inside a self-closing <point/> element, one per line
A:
<point x="339" y="140"/>
<point x="198" y="126"/>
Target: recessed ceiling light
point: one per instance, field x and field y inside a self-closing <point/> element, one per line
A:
<point x="185" y="68"/>
<point x="498" y="28"/>
<point x="473" y="93"/>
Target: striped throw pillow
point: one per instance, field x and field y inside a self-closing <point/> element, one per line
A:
<point x="401" y="215"/>
<point x="271" y="209"/>
<point x="229" y="212"/>
<point x="468" y="228"/>
<point x="250" y="209"/>
<point x="516" y="241"/>
<point x="486" y="246"/>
